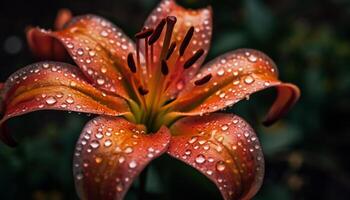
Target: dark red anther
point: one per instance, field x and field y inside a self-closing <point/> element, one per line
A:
<point x="170" y="50"/>
<point x="193" y="59"/>
<point x="146" y="32"/>
<point x="203" y="80"/>
<point x="131" y="63"/>
<point x="143" y="91"/>
<point x="186" y="40"/>
<point x="164" y="68"/>
<point x="157" y="32"/>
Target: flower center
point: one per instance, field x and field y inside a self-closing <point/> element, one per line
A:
<point x="153" y="77"/>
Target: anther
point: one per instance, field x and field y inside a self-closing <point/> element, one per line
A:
<point x="193" y="59"/>
<point x="157" y="32"/>
<point x="203" y="80"/>
<point x="142" y="91"/>
<point x="146" y="32"/>
<point x="170" y="50"/>
<point x="164" y="68"/>
<point x="131" y="63"/>
<point x="186" y="40"/>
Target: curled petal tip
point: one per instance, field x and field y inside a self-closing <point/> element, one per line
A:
<point x="63" y="16"/>
<point x="288" y="95"/>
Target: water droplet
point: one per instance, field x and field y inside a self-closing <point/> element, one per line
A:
<point x="51" y="100"/>
<point x="100" y="81"/>
<point x="128" y="150"/>
<point x="193" y="140"/>
<point x="248" y="79"/>
<point x="220" y="166"/>
<point x="104" y="33"/>
<point x="200" y="159"/>
<point x="188" y="152"/>
<point x="98" y="160"/>
<point x="224" y="127"/>
<point x="252" y="58"/>
<point x="80" y="51"/>
<point x="119" y="187"/>
<point x="70" y="100"/>
<point x="121" y="159"/>
<point x="132" y="164"/>
<point x="108" y="143"/>
<point x="92" y="53"/>
<point x="79" y="176"/>
<point x="221" y="72"/>
<point x="99" y="135"/>
<point x="94" y="144"/>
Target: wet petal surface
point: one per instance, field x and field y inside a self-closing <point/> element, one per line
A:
<point x="233" y="77"/>
<point x="224" y="148"/>
<point x="110" y="154"/>
<point x="55" y="86"/>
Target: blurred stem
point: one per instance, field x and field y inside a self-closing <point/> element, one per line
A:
<point x="143" y="180"/>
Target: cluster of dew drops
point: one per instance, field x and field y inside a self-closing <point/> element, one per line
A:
<point x="198" y="148"/>
<point x="104" y="140"/>
<point x="49" y="69"/>
<point x="242" y="84"/>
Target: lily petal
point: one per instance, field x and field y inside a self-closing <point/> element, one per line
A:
<point x="100" y="49"/>
<point x="201" y="20"/>
<point x="45" y="47"/>
<point x="110" y="154"/>
<point x="55" y="86"/>
<point x="235" y="76"/>
<point x="224" y="148"/>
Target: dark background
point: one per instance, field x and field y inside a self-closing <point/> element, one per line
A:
<point x="306" y="153"/>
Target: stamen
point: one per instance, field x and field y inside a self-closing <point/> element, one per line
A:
<point x="186" y="40"/>
<point x="170" y="50"/>
<point x="170" y="23"/>
<point x="193" y="59"/>
<point x="203" y="80"/>
<point x="143" y="91"/>
<point x="131" y="63"/>
<point x="146" y="32"/>
<point x="164" y="68"/>
<point x="157" y="32"/>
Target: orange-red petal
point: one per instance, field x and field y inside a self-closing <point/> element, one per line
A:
<point x="62" y="18"/>
<point x="45" y="47"/>
<point x="224" y="148"/>
<point x="100" y="49"/>
<point x="55" y="86"/>
<point x="110" y="154"/>
<point x="201" y="20"/>
<point x="235" y="76"/>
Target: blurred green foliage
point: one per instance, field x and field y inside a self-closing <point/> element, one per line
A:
<point x="306" y="153"/>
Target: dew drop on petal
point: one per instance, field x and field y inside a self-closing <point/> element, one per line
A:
<point x="200" y="159"/>
<point x="100" y="81"/>
<point x="108" y="143"/>
<point x="132" y="164"/>
<point x="224" y="127"/>
<point x="70" y="100"/>
<point x="220" y="166"/>
<point x="94" y="144"/>
<point x="248" y="79"/>
<point x="51" y="100"/>
<point x="79" y="176"/>
<point x="252" y="58"/>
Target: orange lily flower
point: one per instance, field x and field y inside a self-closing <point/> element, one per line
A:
<point x="153" y="97"/>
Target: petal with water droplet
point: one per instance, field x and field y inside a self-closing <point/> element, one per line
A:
<point x="48" y="86"/>
<point x="235" y="76"/>
<point x="100" y="49"/>
<point x="104" y="168"/>
<point x="233" y="161"/>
